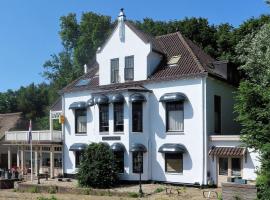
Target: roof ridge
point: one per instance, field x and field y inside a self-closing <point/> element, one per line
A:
<point x="168" y="34"/>
<point x="196" y="59"/>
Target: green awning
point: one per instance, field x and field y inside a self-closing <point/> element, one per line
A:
<point x="172" y="148"/>
<point x="118" y="147"/>
<point x="138" y="148"/>
<point x="171" y="97"/>
<point x="78" y="105"/>
<point x="137" y="97"/>
<point x="78" y="147"/>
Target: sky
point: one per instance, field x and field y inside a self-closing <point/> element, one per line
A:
<point x="29" y="28"/>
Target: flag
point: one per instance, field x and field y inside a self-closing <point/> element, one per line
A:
<point x="30" y="132"/>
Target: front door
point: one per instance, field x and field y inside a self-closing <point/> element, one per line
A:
<point x="228" y="167"/>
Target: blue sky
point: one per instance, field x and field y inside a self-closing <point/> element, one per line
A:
<point x="29" y="29"/>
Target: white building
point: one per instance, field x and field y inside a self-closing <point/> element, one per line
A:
<point x="161" y="97"/>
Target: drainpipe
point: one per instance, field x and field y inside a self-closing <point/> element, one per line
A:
<point x="63" y="135"/>
<point x="204" y="171"/>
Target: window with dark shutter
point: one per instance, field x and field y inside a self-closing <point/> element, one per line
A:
<point x="115" y="70"/>
<point x="129" y="68"/>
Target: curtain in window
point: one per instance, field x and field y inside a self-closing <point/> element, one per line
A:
<point x="103" y="118"/>
<point x="81" y="124"/>
<point x="175" y="120"/>
<point x="118" y="117"/>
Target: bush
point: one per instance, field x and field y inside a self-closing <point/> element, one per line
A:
<point x="97" y="168"/>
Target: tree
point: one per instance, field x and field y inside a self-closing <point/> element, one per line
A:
<point x="97" y="168"/>
<point x="253" y="100"/>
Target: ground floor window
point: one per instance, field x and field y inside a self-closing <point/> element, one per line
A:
<point x="119" y="159"/>
<point x="236" y="167"/>
<point x="46" y="159"/>
<point x="174" y="162"/>
<point x="137" y="160"/>
<point x="229" y="166"/>
<point x="58" y="160"/>
<point x="78" y="158"/>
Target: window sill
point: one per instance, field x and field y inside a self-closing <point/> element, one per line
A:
<point x="174" y="173"/>
<point x="103" y="133"/>
<point x="136" y="132"/>
<point x="81" y="134"/>
<point x="118" y="133"/>
<point x="175" y="133"/>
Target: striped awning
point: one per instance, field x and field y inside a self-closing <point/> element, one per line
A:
<point x="227" y="151"/>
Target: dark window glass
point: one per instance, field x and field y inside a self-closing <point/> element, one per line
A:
<point x="174" y="116"/>
<point x="46" y="159"/>
<point x="104" y="118"/>
<point x="115" y="70"/>
<point x="236" y="166"/>
<point x="118" y="115"/>
<point x="78" y="158"/>
<point x="80" y="121"/>
<point x="174" y="162"/>
<point x="58" y="160"/>
<point x="137" y="161"/>
<point x="129" y="68"/>
<point x="223" y="166"/>
<point x="137" y="117"/>
<point x="217" y="105"/>
<point x="119" y="159"/>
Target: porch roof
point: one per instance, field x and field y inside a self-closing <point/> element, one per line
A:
<point x="227" y="151"/>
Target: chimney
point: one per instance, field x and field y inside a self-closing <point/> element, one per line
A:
<point x="121" y="23"/>
<point x="85" y="68"/>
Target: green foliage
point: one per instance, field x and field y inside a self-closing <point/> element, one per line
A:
<point x="219" y="196"/>
<point x="52" y="189"/>
<point x="45" y="198"/>
<point x="159" y="189"/>
<point x="253" y="100"/>
<point x="34" y="189"/>
<point x="97" y="168"/>
<point x="133" y="194"/>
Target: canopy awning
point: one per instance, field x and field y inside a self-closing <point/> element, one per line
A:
<point x="101" y="99"/>
<point x="117" y="98"/>
<point x="118" y="147"/>
<point x="227" y="151"/>
<point x="78" y="105"/>
<point x="78" y="147"/>
<point x="90" y="102"/>
<point x="138" y="148"/>
<point x="137" y="97"/>
<point x="172" y="148"/>
<point x="171" y="97"/>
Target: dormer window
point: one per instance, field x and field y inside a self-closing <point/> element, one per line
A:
<point x="129" y="68"/>
<point x="115" y="70"/>
<point x="173" y="61"/>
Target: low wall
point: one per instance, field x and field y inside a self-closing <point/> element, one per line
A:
<point x="7" y="183"/>
<point x="234" y="191"/>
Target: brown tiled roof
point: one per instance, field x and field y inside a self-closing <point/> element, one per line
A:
<point x="57" y="106"/>
<point x="227" y="151"/>
<point x="8" y="121"/>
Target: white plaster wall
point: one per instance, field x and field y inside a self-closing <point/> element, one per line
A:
<point x="249" y="165"/>
<point x="153" y="59"/>
<point x="114" y="48"/>
<point x="192" y="137"/>
<point x="228" y="124"/>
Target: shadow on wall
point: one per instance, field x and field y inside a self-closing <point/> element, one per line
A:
<point x="248" y="162"/>
<point x="68" y="163"/>
<point x="67" y="124"/>
<point x="159" y="127"/>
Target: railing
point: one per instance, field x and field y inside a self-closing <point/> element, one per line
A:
<point x="44" y="135"/>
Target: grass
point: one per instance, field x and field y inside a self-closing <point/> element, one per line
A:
<point x="52" y="190"/>
<point x="34" y="189"/>
<point x="133" y="194"/>
<point x="45" y="198"/>
<point x="159" y="190"/>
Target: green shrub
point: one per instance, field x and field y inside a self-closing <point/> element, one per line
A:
<point x="159" y="189"/>
<point x="52" y="189"/>
<point x="34" y="189"/>
<point x="220" y="196"/>
<point x="97" y="168"/>
<point x="133" y="194"/>
<point x="87" y="191"/>
<point x="45" y="198"/>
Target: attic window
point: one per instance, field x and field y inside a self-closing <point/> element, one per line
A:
<point x="83" y="82"/>
<point x="174" y="60"/>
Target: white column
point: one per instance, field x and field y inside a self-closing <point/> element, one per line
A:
<point x="22" y="159"/>
<point x="9" y="158"/>
<point x="18" y="157"/>
<point x="51" y="125"/>
<point x="52" y="162"/>
<point x="36" y="160"/>
<point x="40" y="160"/>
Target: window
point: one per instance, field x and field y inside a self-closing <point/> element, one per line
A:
<point x="103" y="117"/>
<point x="80" y="121"/>
<point x="118" y="115"/>
<point x="58" y="160"/>
<point x="57" y="148"/>
<point x="119" y="158"/>
<point x="236" y="166"/>
<point x="129" y="68"/>
<point x="78" y="158"/>
<point x="174" y="116"/>
<point x="46" y="159"/>
<point x="137" y="166"/>
<point x="217" y="105"/>
<point x="174" y="162"/>
<point x="115" y="70"/>
<point x="223" y="166"/>
<point x="137" y="117"/>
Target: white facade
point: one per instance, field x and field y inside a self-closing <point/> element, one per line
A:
<point x="198" y="117"/>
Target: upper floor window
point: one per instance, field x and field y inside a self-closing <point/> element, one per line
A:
<point x="217" y="110"/>
<point x="174" y="116"/>
<point x="115" y="70"/>
<point x="103" y="117"/>
<point x="118" y="115"/>
<point x="80" y="121"/>
<point x="137" y="117"/>
<point x="129" y="68"/>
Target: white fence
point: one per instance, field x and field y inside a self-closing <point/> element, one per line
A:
<point x="45" y="135"/>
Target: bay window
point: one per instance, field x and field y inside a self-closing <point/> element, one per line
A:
<point x="174" y="116"/>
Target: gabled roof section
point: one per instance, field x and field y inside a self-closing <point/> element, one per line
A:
<point x="9" y="121"/>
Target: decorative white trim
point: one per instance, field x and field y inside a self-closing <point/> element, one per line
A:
<point x="224" y="137"/>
